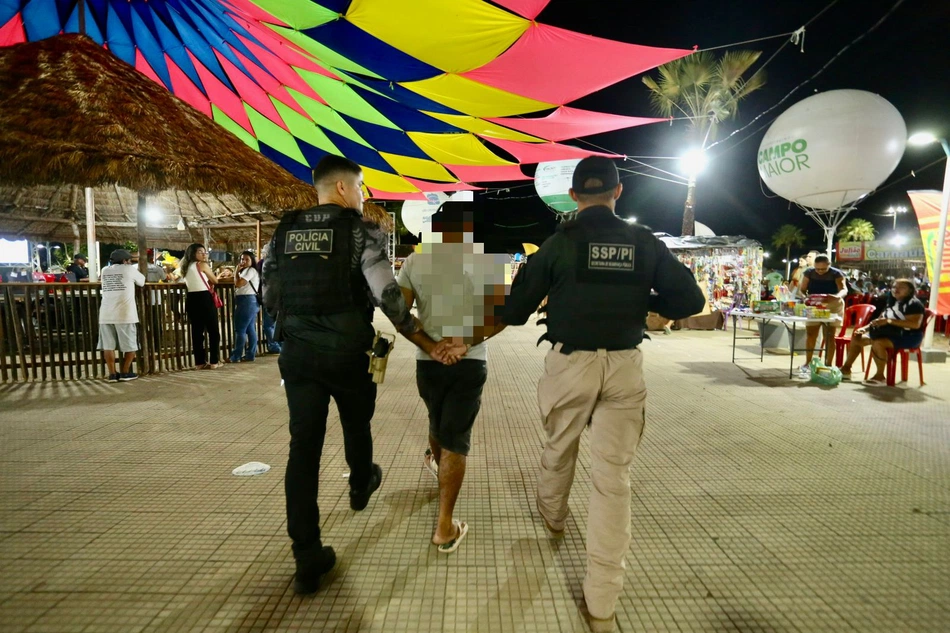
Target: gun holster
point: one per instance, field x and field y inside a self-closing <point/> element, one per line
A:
<point x="383" y="345"/>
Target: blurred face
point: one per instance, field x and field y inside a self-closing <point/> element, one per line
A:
<point x="822" y="267"/>
<point x="201" y="255"/>
<point x="810" y="258"/>
<point x="350" y="188"/>
<point x="245" y="261"/>
<point x="900" y="291"/>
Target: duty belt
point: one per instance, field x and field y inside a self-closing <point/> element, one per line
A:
<point x="567" y="349"/>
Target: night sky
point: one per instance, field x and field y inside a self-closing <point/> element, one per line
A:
<point x="904" y="60"/>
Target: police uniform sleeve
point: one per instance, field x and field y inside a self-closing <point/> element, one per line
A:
<point x="677" y="294"/>
<point x="531" y="285"/>
<point x="379" y="277"/>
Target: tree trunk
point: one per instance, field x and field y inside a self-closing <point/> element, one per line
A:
<point x="689" y="214"/>
<point x="788" y="263"/>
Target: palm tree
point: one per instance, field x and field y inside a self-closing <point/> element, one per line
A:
<point x="787" y="236"/>
<point x="857" y="230"/>
<point x="707" y="91"/>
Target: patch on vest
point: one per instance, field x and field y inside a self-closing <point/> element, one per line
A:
<point x="319" y="241"/>
<point x="610" y="257"/>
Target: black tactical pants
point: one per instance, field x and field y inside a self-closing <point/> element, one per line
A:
<point x="311" y="378"/>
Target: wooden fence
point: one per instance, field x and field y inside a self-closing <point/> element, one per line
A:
<point x="51" y="331"/>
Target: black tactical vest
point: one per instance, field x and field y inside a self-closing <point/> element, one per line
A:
<point x="318" y="257"/>
<point x="600" y="300"/>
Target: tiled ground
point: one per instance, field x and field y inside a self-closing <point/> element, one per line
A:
<point x="759" y="504"/>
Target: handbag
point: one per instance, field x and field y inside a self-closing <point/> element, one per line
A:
<point x="218" y="303"/>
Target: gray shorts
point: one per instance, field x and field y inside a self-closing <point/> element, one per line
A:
<point x="118" y="336"/>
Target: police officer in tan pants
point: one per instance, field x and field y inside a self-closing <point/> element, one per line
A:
<point x="598" y="272"/>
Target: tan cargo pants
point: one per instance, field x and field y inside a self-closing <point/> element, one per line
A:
<point x="606" y="389"/>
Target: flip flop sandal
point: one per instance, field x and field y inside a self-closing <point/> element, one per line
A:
<point x="430" y="464"/>
<point x="451" y="546"/>
<point x="875" y="383"/>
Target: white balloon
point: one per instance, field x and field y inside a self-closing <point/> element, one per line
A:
<point x="462" y="196"/>
<point x="417" y="214"/>
<point x="831" y="149"/>
<point x="552" y="180"/>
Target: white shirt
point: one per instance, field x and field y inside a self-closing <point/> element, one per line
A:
<point x="450" y="282"/>
<point x="195" y="279"/>
<point x="118" y="293"/>
<point x="253" y="283"/>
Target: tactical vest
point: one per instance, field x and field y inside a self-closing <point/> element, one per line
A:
<point x="601" y="301"/>
<point x="319" y="263"/>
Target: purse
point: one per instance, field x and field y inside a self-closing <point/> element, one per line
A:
<point x="218" y="303"/>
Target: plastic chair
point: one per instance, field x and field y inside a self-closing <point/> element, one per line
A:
<point x="854" y="317"/>
<point x="892" y="354"/>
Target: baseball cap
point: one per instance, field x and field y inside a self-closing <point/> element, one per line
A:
<point x="595" y="167"/>
<point x="119" y="255"/>
<point x="78" y="256"/>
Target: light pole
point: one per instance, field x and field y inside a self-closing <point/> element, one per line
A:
<point x="925" y="138"/>
<point x="893" y="212"/>
<point x="693" y="162"/>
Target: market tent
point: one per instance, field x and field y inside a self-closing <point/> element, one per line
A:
<point x="73" y="115"/>
<point x="415" y="92"/>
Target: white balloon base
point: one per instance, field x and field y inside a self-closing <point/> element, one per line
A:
<point x="934" y="355"/>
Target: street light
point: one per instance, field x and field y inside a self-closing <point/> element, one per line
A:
<point x="893" y="212"/>
<point x="920" y="139"/>
<point x="693" y="162"/>
<point x="899" y="240"/>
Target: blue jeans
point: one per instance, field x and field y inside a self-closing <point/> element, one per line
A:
<point x="269" y="325"/>
<point x="245" y="328"/>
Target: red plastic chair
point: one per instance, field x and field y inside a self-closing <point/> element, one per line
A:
<point x="854" y="317"/>
<point x="892" y="354"/>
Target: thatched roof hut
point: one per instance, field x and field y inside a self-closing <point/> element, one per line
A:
<point x="73" y="115"/>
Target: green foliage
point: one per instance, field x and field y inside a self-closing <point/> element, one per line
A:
<point x="787" y="236"/>
<point x="857" y="230"/>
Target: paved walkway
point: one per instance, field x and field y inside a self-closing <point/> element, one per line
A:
<point x="759" y="504"/>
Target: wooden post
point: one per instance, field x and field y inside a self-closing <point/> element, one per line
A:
<point x="258" y="239"/>
<point x="144" y="313"/>
<point x="92" y="251"/>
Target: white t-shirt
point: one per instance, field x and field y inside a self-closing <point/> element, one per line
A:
<point x="195" y="279"/>
<point x="450" y="282"/>
<point x="118" y="293"/>
<point x="253" y="281"/>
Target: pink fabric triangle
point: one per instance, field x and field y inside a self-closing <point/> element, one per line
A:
<point x="281" y="70"/>
<point x="425" y="185"/>
<point x="143" y="67"/>
<point x="540" y="152"/>
<point x="251" y="10"/>
<point x="222" y="96"/>
<point x="558" y="66"/>
<point x="526" y="8"/>
<point x="565" y="123"/>
<point x="250" y="92"/>
<point x="385" y="195"/>
<point x="492" y="173"/>
<point x="269" y="83"/>
<point x="284" y="48"/>
<point x="12" y="32"/>
<point x="183" y="88"/>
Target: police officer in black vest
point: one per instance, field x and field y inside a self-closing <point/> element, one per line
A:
<point x="598" y="272"/>
<point x="325" y="270"/>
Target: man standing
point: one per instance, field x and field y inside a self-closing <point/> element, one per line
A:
<point x="117" y="314"/>
<point x="598" y="272"/>
<point x="268" y="324"/>
<point x="454" y="285"/>
<point x="325" y="268"/>
<point x="822" y="279"/>
<point x="78" y="267"/>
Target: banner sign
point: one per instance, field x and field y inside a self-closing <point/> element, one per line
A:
<point x="878" y="251"/>
<point x="927" y="207"/>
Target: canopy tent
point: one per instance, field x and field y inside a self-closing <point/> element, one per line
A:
<point x="72" y="116"/>
<point x="423" y="95"/>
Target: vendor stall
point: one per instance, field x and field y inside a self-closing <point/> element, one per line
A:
<point x="728" y="270"/>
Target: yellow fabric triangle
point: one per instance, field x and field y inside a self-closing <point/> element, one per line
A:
<point x="474" y="98"/>
<point x="456" y="149"/>
<point x="484" y="128"/>
<point x="380" y="180"/>
<point x="418" y="168"/>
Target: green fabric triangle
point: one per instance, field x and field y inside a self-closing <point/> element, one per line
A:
<point x="277" y="137"/>
<point x="300" y="14"/>
<point x="344" y="99"/>
<point x="327" y="117"/>
<point x="305" y="129"/>
<point x="234" y="128"/>
<point x="322" y="53"/>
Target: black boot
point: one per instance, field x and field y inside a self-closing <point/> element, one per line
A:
<point x="310" y="571"/>
<point x="359" y="498"/>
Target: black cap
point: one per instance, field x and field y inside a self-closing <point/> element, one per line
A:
<point x="80" y="256"/>
<point x="120" y="255"/>
<point x="595" y="167"/>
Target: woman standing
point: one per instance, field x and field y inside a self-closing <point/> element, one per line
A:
<point x="247" y="284"/>
<point x="202" y="313"/>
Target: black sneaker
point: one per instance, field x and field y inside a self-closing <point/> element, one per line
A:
<point x="308" y="576"/>
<point x="127" y="377"/>
<point x="359" y="499"/>
<point x="113" y="377"/>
